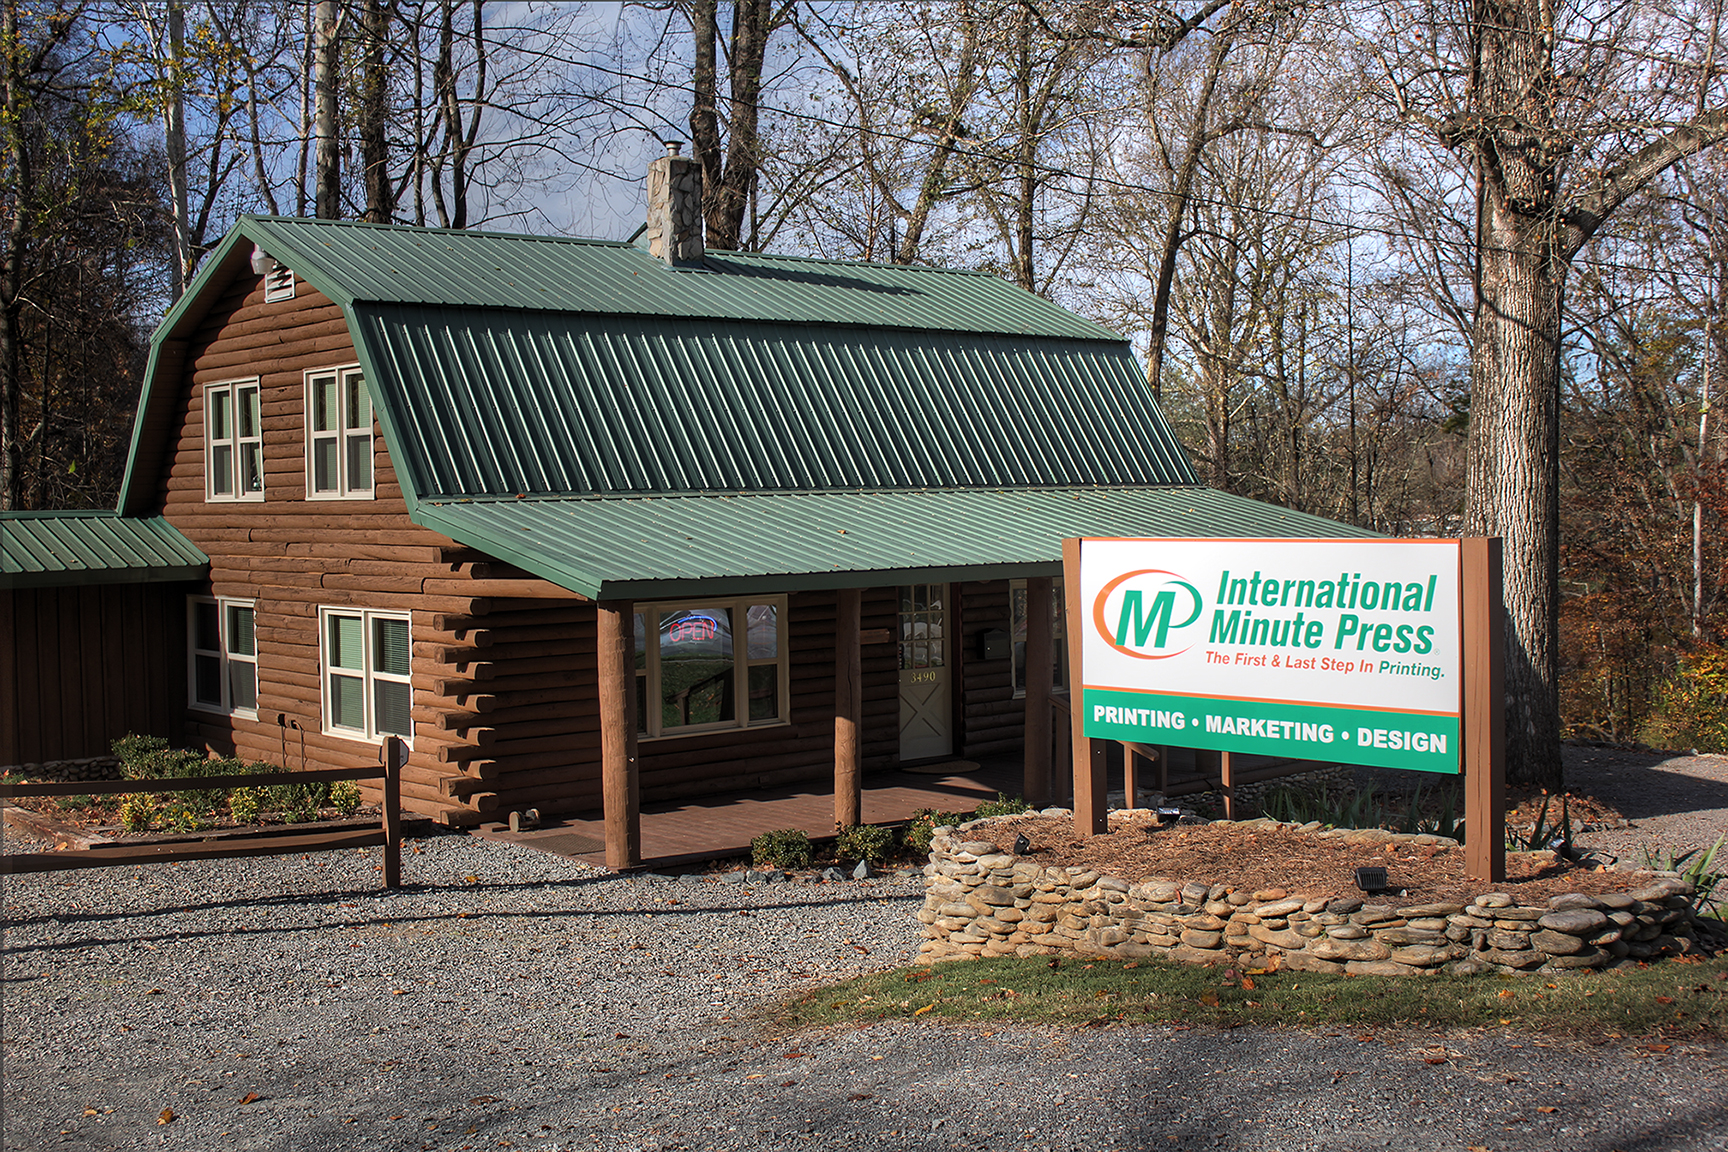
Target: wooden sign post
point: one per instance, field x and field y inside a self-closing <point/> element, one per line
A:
<point x="1484" y="709"/>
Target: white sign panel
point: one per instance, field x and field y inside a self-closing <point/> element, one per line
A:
<point x="1345" y="650"/>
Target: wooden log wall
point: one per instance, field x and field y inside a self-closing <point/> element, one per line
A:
<point x="291" y="556"/>
<point x="993" y="718"/>
<point x="82" y="666"/>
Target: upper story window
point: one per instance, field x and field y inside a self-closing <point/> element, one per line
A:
<point x="279" y="285"/>
<point x="233" y="442"/>
<point x="1058" y="643"/>
<point x="338" y="435"/>
<point x="711" y="664"/>
<point x="222" y="657"/>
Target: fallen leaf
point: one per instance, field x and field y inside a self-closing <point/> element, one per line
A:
<point x="1433" y="1059"/>
<point x="790" y="1055"/>
<point x="1130" y="964"/>
<point x="398" y="1116"/>
<point x="154" y="992"/>
<point x="1664" y="999"/>
<point x="787" y="1083"/>
<point x="1247" y="983"/>
<point x="249" y="1098"/>
<point x="1210" y="999"/>
<point x="856" y="1096"/>
<point x="472" y="879"/>
<point x="91" y="1112"/>
<point x="1547" y="1108"/>
<point x="924" y="1009"/>
<point x="484" y="1100"/>
<point x="166" y="1116"/>
<point x="1505" y="993"/>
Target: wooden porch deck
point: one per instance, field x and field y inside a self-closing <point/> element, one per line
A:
<point x="723" y="825"/>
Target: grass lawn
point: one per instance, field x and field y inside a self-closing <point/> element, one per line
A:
<point x="1688" y="997"/>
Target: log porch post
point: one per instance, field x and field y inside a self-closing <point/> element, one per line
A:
<point x="1484" y="727"/>
<point x="1040" y="662"/>
<point x="848" y="706"/>
<point x="620" y="789"/>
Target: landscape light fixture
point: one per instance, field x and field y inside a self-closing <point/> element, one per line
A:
<point x="1371" y="879"/>
<point x="1168" y="815"/>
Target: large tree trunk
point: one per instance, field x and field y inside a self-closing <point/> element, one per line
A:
<point x="1514" y="474"/>
<point x="15" y="163"/>
<point x="327" y="165"/>
<point x="375" y="115"/>
<point x="174" y="139"/>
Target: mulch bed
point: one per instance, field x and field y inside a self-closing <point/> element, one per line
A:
<point x="1298" y="863"/>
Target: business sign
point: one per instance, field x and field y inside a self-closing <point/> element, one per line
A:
<point x="1341" y="650"/>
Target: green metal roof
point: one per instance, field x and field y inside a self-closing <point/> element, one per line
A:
<point x="56" y="549"/>
<point x="630" y="548"/>
<point x="350" y="261"/>
<point x="483" y="402"/>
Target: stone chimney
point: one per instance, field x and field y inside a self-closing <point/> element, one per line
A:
<point x="675" y="208"/>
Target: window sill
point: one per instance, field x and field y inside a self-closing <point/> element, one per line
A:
<point x="710" y="730"/>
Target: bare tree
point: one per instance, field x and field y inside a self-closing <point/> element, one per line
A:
<point x="1560" y="114"/>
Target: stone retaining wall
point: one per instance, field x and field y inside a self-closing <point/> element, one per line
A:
<point x="87" y="768"/>
<point x="982" y="900"/>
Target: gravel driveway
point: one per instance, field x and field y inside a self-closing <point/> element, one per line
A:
<point x="510" y="999"/>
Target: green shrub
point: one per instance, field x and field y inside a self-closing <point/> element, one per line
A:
<point x="74" y="803"/>
<point x="244" y="804"/>
<point x="131" y="748"/>
<point x="923" y="826"/>
<point x="1703" y="868"/>
<point x="871" y="842"/>
<point x="139" y="810"/>
<point x="184" y="816"/>
<point x="1691" y="709"/>
<point x="782" y="848"/>
<point x="298" y="803"/>
<point x="345" y="797"/>
<point x="1003" y="805"/>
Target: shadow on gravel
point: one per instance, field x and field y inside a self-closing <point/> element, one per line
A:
<point x="477" y="916"/>
<point x="1642" y="786"/>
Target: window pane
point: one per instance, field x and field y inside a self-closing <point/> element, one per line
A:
<point x="323" y="391"/>
<point x="360" y="463"/>
<point x="324" y="465"/>
<point x="359" y="405"/>
<point x="240" y="639"/>
<point x="207" y="679"/>
<point x="242" y="684"/>
<point x="764" y="631"/>
<point x="249" y="415"/>
<point x="347" y="703"/>
<point x="765" y="692"/>
<point x="207" y="627"/>
<point x="251" y="468"/>
<point x="391" y="703"/>
<point x="696" y="680"/>
<point x="642" y="703"/>
<point x="390" y="647"/>
<point x="221" y="417"/>
<point x="641" y="644"/>
<point x="346" y="641"/>
<point x="222" y="470"/>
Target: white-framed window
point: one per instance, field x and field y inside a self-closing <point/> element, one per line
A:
<point x="222" y="656"/>
<point x="338" y="435"/>
<point x="1058" y="643"/>
<point x="233" y="441"/>
<point x="366" y="664"/>
<point x="279" y="284"/>
<point x="707" y="665"/>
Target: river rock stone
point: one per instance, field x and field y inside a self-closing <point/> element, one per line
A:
<point x="1556" y="943"/>
<point x="1424" y="955"/>
<point x="1278" y="908"/>
<point x="1349" y="950"/>
<point x="1575" y="921"/>
<point x="1282" y="938"/>
<point x="1201" y="938"/>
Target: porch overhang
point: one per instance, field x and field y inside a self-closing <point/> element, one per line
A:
<point x="75" y="549"/>
<point x="658" y="547"/>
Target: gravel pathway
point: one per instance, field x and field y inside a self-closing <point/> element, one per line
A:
<point x="510" y="999"/>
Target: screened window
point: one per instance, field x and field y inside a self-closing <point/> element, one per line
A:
<point x="712" y="664"/>
<point x="222" y="664"/>
<point x="233" y="442"/>
<point x="1058" y="645"/>
<point x="338" y="435"/>
<point x="367" y="667"/>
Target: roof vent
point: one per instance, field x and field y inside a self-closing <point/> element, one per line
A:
<point x="675" y="208"/>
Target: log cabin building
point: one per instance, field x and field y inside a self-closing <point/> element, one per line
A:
<point x="592" y="523"/>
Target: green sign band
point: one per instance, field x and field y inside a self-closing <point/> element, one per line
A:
<point x="1374" y="737"/>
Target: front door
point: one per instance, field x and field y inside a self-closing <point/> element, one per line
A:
<point x="926" y="717"/>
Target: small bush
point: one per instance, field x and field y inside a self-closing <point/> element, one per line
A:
<point x="245" y="804"/>
<point x="185" y="816"/>
<point x="132" y="747"/>
<point x="1692" y="703"/>
<point x="139" y="810"/>
<point x="923" y="826"/>
<point x="345" y="797"/>
<point x="870" y="842"/>
<point x="74" y="803"/>
<point x="783" y="848"/>
<point x="298" y="803"/>
<point x="1003" y="805"/>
